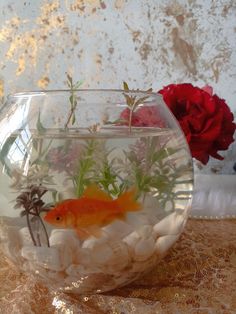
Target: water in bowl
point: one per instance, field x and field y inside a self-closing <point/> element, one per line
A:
<point x="90" y="212"/>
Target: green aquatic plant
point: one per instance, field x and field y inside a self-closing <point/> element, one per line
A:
<point x="150" y="168"/>
<point x="72" y="99"/>
<point x="91" y="164"/>
<point x="85" y="168"/>
<point x="108" y="177"/>
<point x="146" y="165"/>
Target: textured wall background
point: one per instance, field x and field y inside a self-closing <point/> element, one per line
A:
<point x="147" y="43"/>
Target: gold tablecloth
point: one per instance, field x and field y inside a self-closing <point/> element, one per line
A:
<point x="198" y="276"/>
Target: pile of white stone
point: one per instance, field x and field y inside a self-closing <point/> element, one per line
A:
<point x="96" y="264"/>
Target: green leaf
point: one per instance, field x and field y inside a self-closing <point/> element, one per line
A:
<point x="78" y="84"/>
<point x="125" y="86"/>
<point x="69" y="78"/>
<point x="73" y="119"/>
<point x="71" y="99"/>
<point x="162" y="154"/>
<point x="140" y="100"/>
<point x="41" y="129"/>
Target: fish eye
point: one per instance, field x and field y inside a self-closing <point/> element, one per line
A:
<point x="58" y="218"/>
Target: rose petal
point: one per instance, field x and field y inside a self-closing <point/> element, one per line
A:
<point x="206" y="120"/>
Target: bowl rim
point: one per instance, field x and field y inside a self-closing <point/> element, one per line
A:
<point x="31" y="93"/>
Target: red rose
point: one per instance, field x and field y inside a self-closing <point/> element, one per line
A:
<point x="206" y="120"/>
<point x="144" y="116"/>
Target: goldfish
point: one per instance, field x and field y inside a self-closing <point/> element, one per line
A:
<point x="92" y="211"/>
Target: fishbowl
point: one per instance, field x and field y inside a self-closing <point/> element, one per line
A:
<point x="96" y="185"/>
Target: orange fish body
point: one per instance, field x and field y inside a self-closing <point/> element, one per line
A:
<point x="92" y="211"/>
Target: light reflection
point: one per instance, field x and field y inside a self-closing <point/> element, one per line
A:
<point x="14" y="120"/>
<point x="15" y="136"/>
<point x="79" y="282"/>
<point x="20" y="151"/>
<point x="61" y="305"/>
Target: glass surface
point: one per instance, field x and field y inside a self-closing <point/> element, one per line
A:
<point x="95" y="185"/>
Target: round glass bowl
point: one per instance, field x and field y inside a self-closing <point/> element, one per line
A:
<point x="95" y="185"/>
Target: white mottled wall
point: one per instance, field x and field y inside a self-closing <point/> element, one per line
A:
<point x="146" y="43"/>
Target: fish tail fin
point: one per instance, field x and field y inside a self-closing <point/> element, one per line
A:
<point x="127" y="201"/>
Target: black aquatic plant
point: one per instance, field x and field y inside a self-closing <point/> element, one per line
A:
<point x="31" y="201"/>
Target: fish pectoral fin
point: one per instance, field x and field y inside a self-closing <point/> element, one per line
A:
<point x="93" y="191"/>
<point x="96" y="231"/>
<point x="121" y="216"/>
<point x="82" y="234"/>
<point x="85" y="233"/>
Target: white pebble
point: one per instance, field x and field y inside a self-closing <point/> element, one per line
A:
<point x="67" y="243"/>
<point x="119" y="259"/>
<point x="137" y="219"/>
<point x="49" y="258"/>
<point x="144" y="249"/>
<point x="164" y="243"/>
<point x="173" y="224"/>
<point x="83" y="256"/>
<point x="65" y="238"/>
<point x="91" y="242"/>
<point x="132" y="239"/>
<point x="145" y="231"/>
<point x="109" y="256"/>
<point x="101" y="254"/>
<point x="118" y="229"/>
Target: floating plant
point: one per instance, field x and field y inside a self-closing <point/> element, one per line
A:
<point x="73" y="99"/>
<point x="133" y="102"/>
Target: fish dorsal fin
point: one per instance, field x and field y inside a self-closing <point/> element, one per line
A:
<point x="93" y="191"/>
